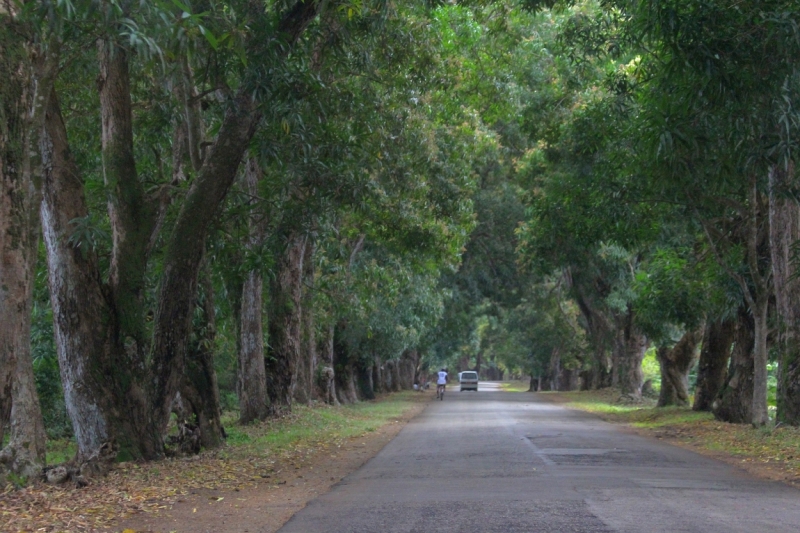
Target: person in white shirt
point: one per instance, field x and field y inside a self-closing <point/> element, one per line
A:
<point x="441" y="381"/>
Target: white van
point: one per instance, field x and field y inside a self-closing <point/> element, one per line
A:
<point x="469" y="380"/>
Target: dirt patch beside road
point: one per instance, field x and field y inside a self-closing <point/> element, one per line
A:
<point x="290" y="484"/>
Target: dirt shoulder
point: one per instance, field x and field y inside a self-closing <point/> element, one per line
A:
<point x="769" y="453"/>
<point x="264" y="475"/>
<point x="291" y="483"/>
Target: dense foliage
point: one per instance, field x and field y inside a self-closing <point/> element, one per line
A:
<point x="249" y="205"/>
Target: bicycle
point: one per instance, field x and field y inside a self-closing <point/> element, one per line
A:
<point x="440" y="392"/>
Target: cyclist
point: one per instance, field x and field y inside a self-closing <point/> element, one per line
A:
<point x="441" y="382"/>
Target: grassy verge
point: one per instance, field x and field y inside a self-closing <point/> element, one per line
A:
<point x="772" y="452"/>
<point x="258" y="454"/>
<point x="515" y="386"/>
<point x="314" y="426"/>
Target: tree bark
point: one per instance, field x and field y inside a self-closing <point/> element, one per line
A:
<point x="325" y="379"/>
<point x="735" y="401"/>
<point x="345" y="373"/>
<point x="366" y="385"/>
<point x="784" y="215"/>
<point x="712" y="368"/>
<point x="377" y="375"/>
<point x="554" y="370"/>
<point x="131" y="216"/>
<point x="81" y="317"/>
<point x="629" y="349"/>
<point x="199" y="387"/>
<point x="569" y="379"/>
<point x="600" y="374"/>
<point x="397" y="377"/>
<point x="307" y="362"/>
<point x="27" y="70"/>
<point x="675" y="364"/>
<point x="183" y="257"/>
<point x="252" y="375"/>
<point x="285" y="324"/>
<point x="118" y="389"/>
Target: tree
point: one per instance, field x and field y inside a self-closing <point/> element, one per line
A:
<point x="29" y="53"/>
<point x="121" y="375"/>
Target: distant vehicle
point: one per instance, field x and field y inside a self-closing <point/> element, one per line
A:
<point x="469" y="380"/>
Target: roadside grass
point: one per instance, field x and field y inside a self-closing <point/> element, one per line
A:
<point x="314" y="426"/>
<point x="515" y="386"/>
<point x="263" y="454"/>
<point x="769" y="451"/>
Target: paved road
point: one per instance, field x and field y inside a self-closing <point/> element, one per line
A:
<point x="509" y="463"/>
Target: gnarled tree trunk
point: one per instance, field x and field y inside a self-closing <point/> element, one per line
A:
<point x="285" y="324"/>
<point x="377" y="375"/>
<point x="120" y="385"/>
<point x="27" y="69"/>
<point x="675" y="364"/>
<point x="82" y="319"/>
<point x="307" y="362"/>
<point x="735" y="401"/>
<point x="325" y="377"/>
<point x="111" y="391"/>
<point x="630" y="346"/>
<point x="713" y="365"/>
<point x="199" y="386"/>
<point x="251" y="382"/>
<point x="345" y="370"/>
<point x="784" y="215"/>
<point x="600" y="373"/>
<point x="366" y="385"/>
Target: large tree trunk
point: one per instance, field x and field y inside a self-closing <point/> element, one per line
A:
<point x="183" y="257"/>
<point x="569" y="379"/>
<point x="712" y="367"/>
<point x="554" y="370"/>
<point x="784" y="215"/>
<point x="600" y="373"/>
<point x="252" y="375"/>
<point x="407" y="366"/>
<point x="132" y="219"/>
<point x="285" y="324"/>
<point x="251" y="380"/>
<point x="81" y="317"/>
<point x="377" y="375"/>
<point x="675" y="364"/>
<point x="366" y="385"/>
<point x="199" y="387"/>
<point x="345" y="373"/>
<point x="735" y="400"/>
<point x="760" y="361"/>
<point x="26" y="71"/>
<point x="325" y="377"/>
<point x="307" y="362"/>
<point x="629" y="348"/>
<point x="25" y="452"/>
<point x="397" y="377"/>
<point x="108" y="396"/>
<point x="117" y="388"/>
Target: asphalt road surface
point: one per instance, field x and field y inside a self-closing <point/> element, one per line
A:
<point x="502" y="462"/>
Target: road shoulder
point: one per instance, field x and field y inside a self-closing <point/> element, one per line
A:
<point x="767" y="453"/>
<point x="292" y="483"/>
